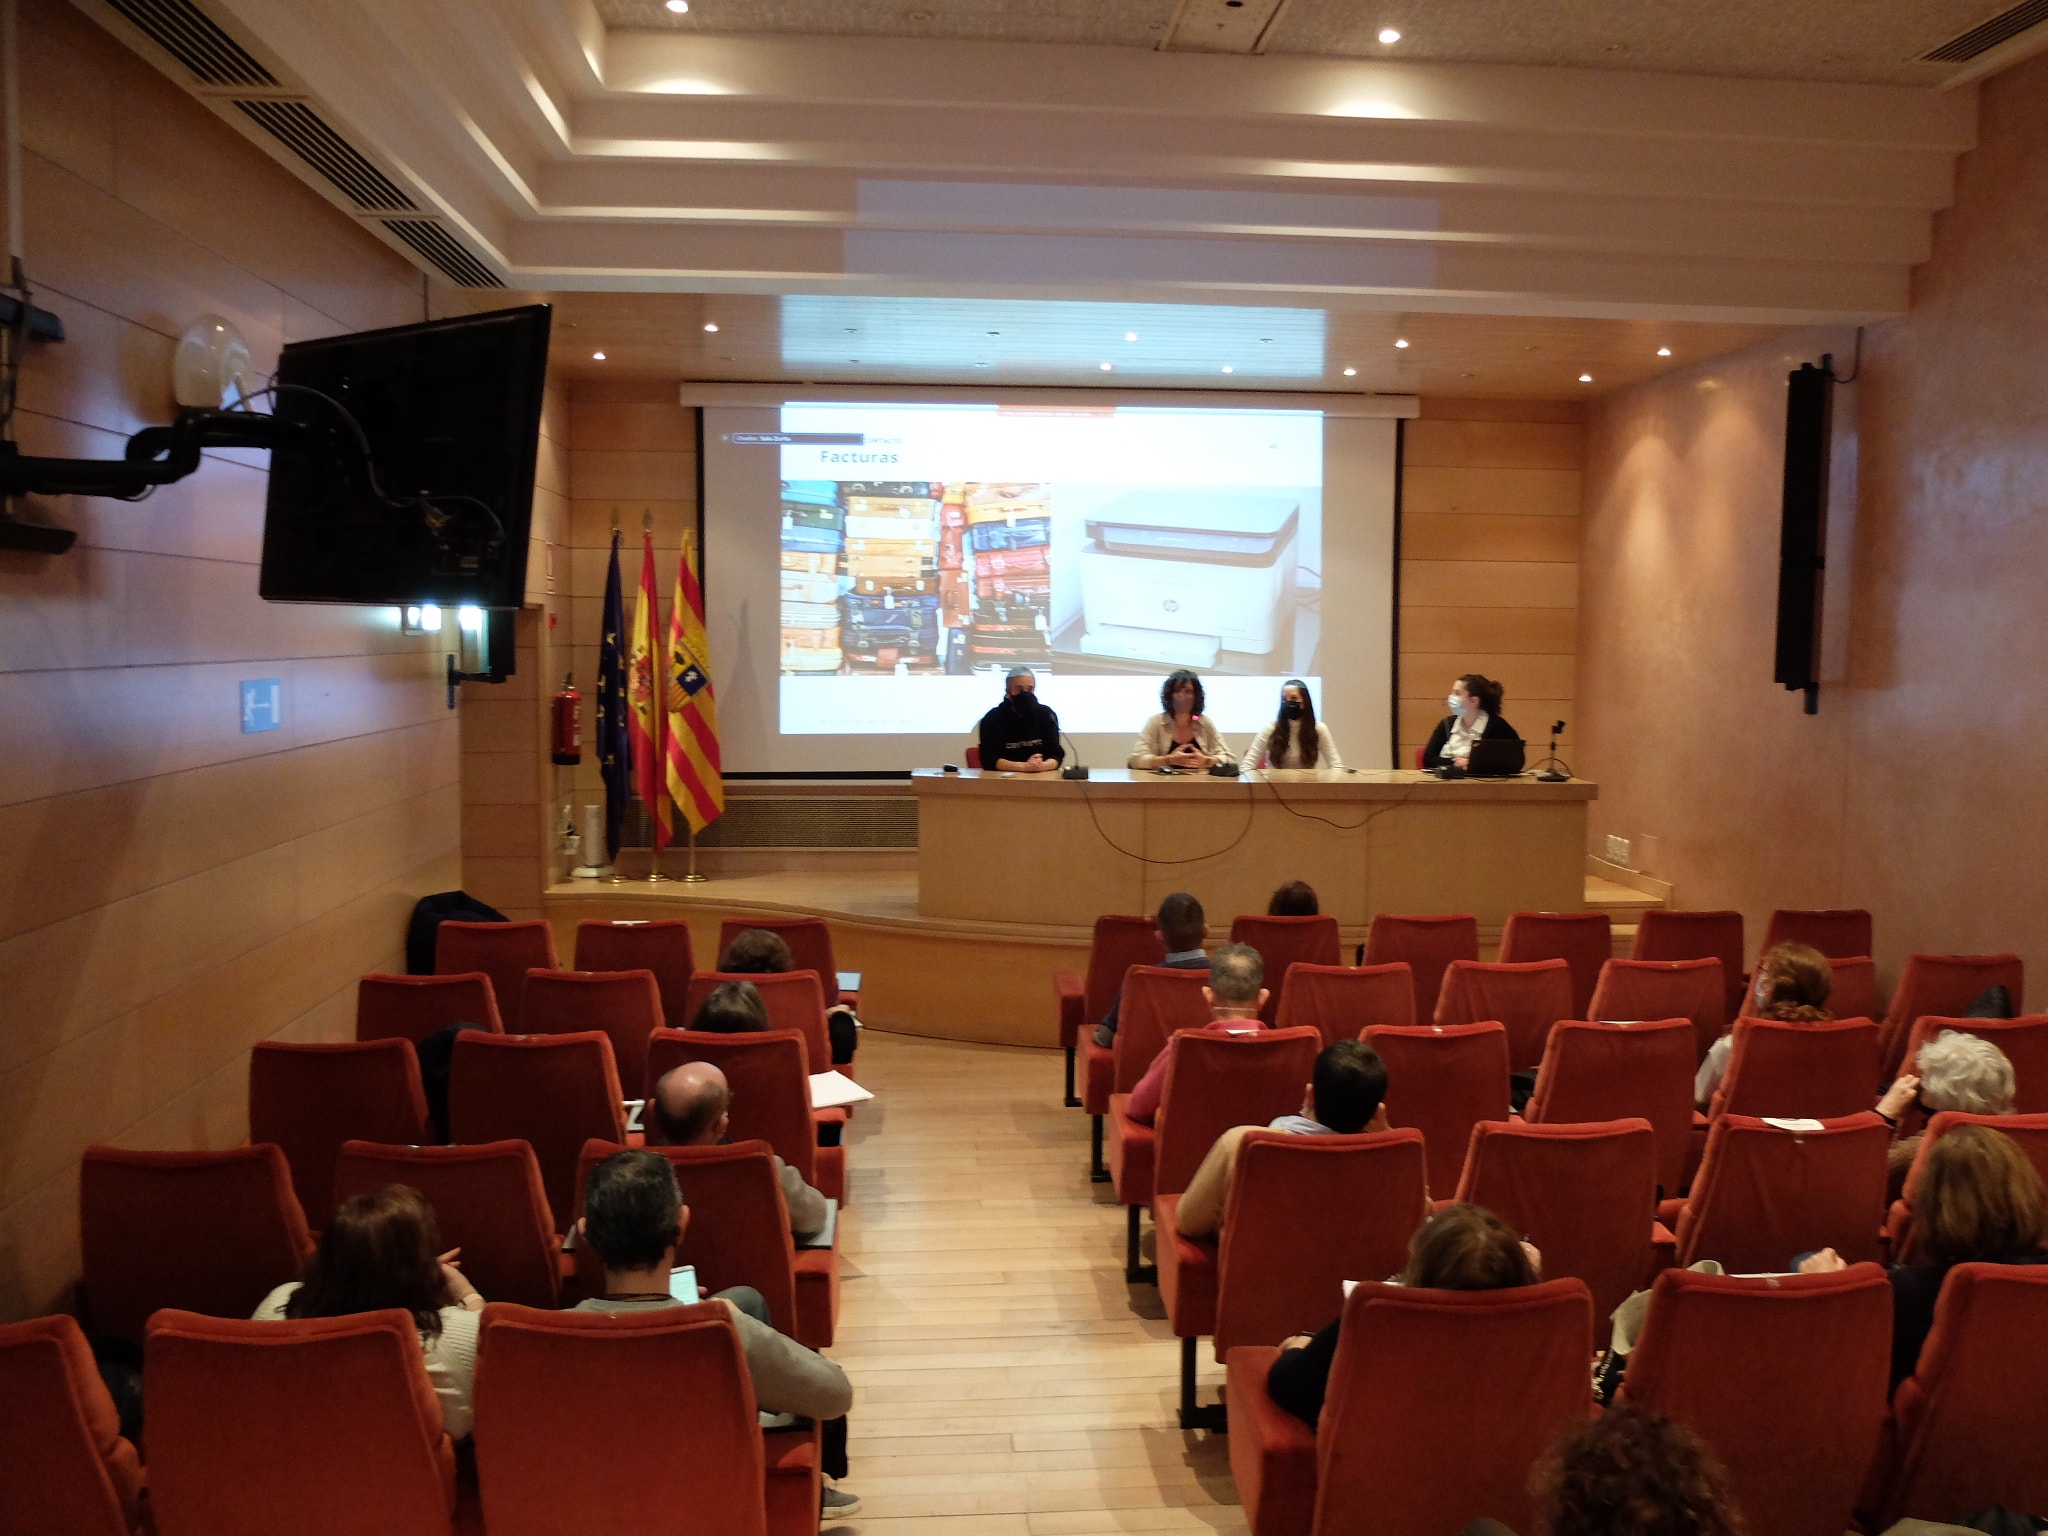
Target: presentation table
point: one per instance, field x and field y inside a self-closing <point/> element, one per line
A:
<point x="1040" y="849"/>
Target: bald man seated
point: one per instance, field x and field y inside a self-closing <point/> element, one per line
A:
<point x="692" y="1108"/>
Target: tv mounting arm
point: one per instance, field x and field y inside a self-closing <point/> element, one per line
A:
<point x="154" y="456"/>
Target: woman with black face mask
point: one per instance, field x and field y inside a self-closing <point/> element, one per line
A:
<point x="1294" y="739"/>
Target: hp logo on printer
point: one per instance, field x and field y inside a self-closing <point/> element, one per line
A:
<point x="1171" y="605"/>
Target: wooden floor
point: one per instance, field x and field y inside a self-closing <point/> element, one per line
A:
<point x="1007" y="1382"/>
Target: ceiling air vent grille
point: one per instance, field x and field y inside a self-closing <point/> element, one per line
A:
<point x="445" y="252"/>
<point x="191" y="38"/>
<point x="301" y="130"/>
<point x="2003" y="27"/>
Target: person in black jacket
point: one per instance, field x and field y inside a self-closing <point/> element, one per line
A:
<point x="1020" y="735"/>
<point x="1474" y="716"/>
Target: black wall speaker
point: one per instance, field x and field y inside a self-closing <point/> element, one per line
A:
<point x="1803" y="529"/>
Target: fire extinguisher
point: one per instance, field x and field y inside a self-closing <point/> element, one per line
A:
<point x="568" y="738"/>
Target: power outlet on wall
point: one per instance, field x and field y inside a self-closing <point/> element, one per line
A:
<point x="1617" y="850"/>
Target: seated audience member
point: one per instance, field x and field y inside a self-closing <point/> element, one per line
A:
<point x="382" y="1250"/>
<point x="1461" y="1248"/>
<point x="1978" y="1201"/>
<point x="691" y="1109"/>
<point x="1183" y="928"/>
<point x="1632" y="1473"/>
<point x="1957" y="1071"/>
<point x="1347" y="1094"/>
<point x="763" y="952"/>
<point x="633" y="1218"/>
<point x="1297" y="898"/>
<point x="731" y="1008"/>
<point x="1792" y="986"/>
<point x="1236" y="992"/>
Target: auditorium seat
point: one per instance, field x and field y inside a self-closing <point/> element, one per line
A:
<point x="1854" y="992"/>
<point x="794" y="1000"/>
<point x="1283" y="943"/>
<point x="626" y="1005"/>
<point x="1840" y="933"/>
<point x="1636" y="990"/>
<point x="1799" y="1070"/>
<point x="2023" y="1040"/>
<point x="1394" y="1439"/>
<point x="1586" y="1195"/>
<point x="69" y="1472"/>
<point x="1280" y="1264"/>
<point x="1443" y="1079"/>
<point x="1783" y="1376"/>
<point x="309" y="1099"/>
<point x="1618" y="1071"/>
<point x="1527" y="997"/>
<point x="769" y="1077"/>
<point x="1583" y="940"/>
<point x="1663" y="934"/>
<point x="553" y="1092"/>
<point x="1119" y="942"/>
<point x="319" y="1425"/>
<point x="661" y="945"/>
<point x="414" y="1007"/>
<point x="1945" y="986"/>
<point x="2029" y="1133"/>
<point x="487" y="1200"/>
<point x="1428" y="944"/>
<point x="1156" y="1002"/>
<point x="1765" y="1195"/>
<point x="551" y="1446"/>
<point x="1969" y="1424"/>
<point x="1213" y="1082"/>
<point x="1342" y="1001"/>
<point x="505" y="952"/>
<point x="211" y="1232"/>
<point x="810" y="948"/>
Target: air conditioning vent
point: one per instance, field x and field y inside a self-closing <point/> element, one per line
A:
<point x="2001" y="28"/>
<point x="301" y="130"/>
<point x="190" y="37"/>
<point x="448" y="255"/>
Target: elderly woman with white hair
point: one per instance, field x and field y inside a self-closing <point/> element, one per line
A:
<point x="1955" y="1071"/>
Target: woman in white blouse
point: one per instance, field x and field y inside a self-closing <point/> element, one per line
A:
<point x="1294" y="739"/>
<point x="1178" y="736"/>
<point x="1475" y="715"/>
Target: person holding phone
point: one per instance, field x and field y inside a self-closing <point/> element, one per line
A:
<point x="1179" y="736"/>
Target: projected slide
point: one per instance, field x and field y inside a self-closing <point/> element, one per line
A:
<point x="925" y="547"/>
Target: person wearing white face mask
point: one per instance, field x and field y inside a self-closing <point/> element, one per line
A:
<point x="1474" y="705"/>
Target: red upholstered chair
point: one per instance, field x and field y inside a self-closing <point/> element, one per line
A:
<point x="320" y="1425"/>
<point x="505" y="952"/>
<point x="626" y="1005"/>
<point x="1944" y="986"/>
<point x="1583" y="940"/>
<point x="1840" y="933"/>
<point x="2023" y="1040"/>
<point x="1799" y="1070"/>
<point x="794" y="1000"/>
<point x="1443" y="1079"/>
<point x="1764" y="1195"/>
<point x="1213" y="1082"/>
<point x="1855" y="993"/>
<point x="1969" y="1424"/>
<point x="68" y="1469"/>
<point x="1784" y="1377"/>
<point x="1527" y="997"/>
<point x="1156" y="1002"/>
<point x="1341" y="1001"/>
<point x="414" y="1007"/>
<point x="309" y="1099"/>
<point x="487" y="1200"/>
<point x="2029" y="1132"/>
<point x="810" y="947"/>
<point x="1119" y="943"/>
<point x="1428" y="944"/>
<point x="1283" y="943"/>
<point x="211" y="1232"/>
<point x="1280" y="1263"/>
<point x="661" y="945"/>
<point x="1393" y="1442"/>
<point x="550" y="1447"/>
<point x="972" y="757"/>
<point x="553" y="1092"/>
<point x="1616" y="1071"/>
<point x="1662" y="934"/>
<point x="769" y="1075"/>
<point x="1665" y="989"/>
<point x="1585" y="1195"/>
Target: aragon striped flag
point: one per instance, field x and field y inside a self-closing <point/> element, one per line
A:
<point x="644" y="691"/>
<point x="694" y="777"/>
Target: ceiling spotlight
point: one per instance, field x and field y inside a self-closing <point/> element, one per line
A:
<point x="597" y="357"/>
<point x="1585" y="378"/>
<point x="1350" y="373"/>
<point x="1400" y="341"/>
<point x="710" y="325"/>
<point x="1228" y="369"/>
<point x="1130" y="335"/>
<point x="1107" y="366"/>
<point x="679" y="6"/>
<point x="1388" y="35"/>
<point x="1663" y="351"/>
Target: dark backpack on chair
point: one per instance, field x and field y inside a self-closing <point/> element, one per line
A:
<point x="429" y="913"/>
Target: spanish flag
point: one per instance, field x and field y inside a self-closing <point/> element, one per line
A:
<point x="693" y="770"/>
<point x="644" y="692"/>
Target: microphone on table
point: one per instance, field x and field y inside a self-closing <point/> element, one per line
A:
<point x="1550" y="775"/>
<point x="1075" y="769"/>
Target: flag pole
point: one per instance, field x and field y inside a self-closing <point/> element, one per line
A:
<point x="616" y="877"/>
<point x="693" y="878"/>
<point x="654" y="874"/>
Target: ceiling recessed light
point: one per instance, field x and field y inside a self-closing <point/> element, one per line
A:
<point x="1585" y="378"/>
<point x="1130" y="335"/>
<point x="1663" y="351"/>
<point x="710" y="325"/>
<point x="1390" y="35"/>
<point x="1400" y="341"/>
<point x="1350" y="373"/>
<point x="597" y="357"/>
<point x="1107" y="366"/>
<point x="679" y="6"/>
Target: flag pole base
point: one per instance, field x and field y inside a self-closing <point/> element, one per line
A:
<point x="693" y="878"/>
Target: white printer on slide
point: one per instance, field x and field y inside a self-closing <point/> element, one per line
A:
<point x="1175" y="576"/>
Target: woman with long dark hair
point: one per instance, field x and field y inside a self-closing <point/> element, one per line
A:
<point x="1474" y="705"/>
<point x="1179" y="736"/>
<point x="1294" y="739"/>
